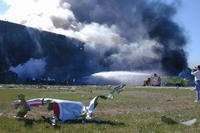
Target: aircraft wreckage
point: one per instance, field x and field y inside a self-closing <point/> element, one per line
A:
<point x="63" y="110"/>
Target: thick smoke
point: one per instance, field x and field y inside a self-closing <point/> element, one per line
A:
<point x="117" y="34"/>
<point x="142" y="26"/>
<point x="32" y="68"/>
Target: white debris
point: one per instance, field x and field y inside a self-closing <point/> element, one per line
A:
<point x="189" y="122"/>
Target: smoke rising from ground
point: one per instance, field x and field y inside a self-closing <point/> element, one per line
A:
<point x="32" y="68"/>
<point x="117" y="34"/>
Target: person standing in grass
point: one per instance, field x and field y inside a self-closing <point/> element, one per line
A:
<point x="196" y="73"/>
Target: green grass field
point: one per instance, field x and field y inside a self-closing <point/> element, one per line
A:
<point x="135" y="110"/>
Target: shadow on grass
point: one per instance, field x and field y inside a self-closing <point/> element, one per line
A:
<point x="101" y="122"/>
<point x="30" y="122"/>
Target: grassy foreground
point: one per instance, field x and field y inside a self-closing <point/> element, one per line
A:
<point x="135" y="110"/>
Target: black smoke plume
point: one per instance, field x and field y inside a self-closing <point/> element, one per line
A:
<point x="138" y="20"/>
